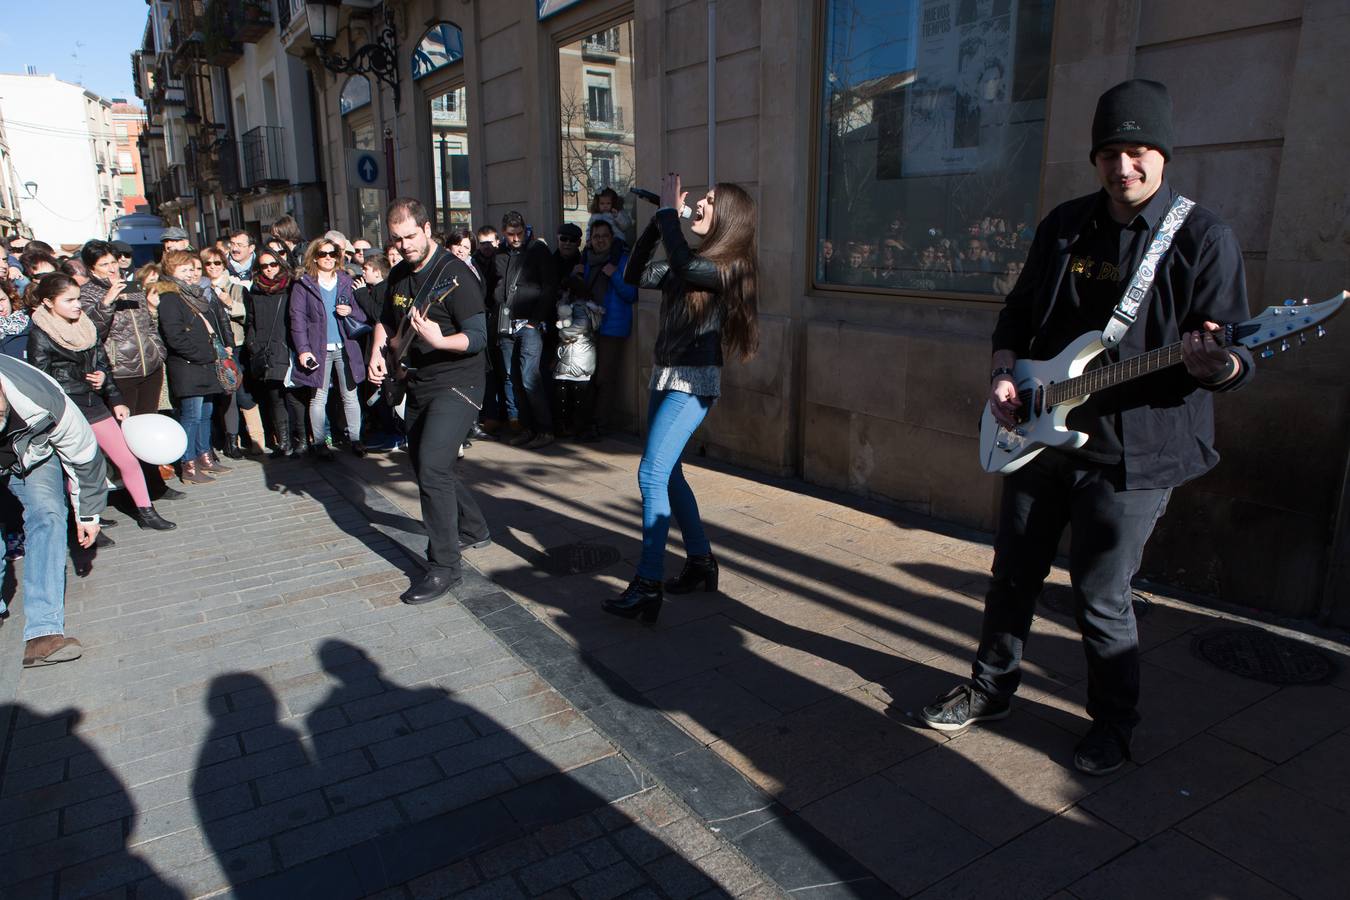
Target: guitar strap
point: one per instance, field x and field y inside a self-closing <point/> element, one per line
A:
<point x="1127" y="310"/>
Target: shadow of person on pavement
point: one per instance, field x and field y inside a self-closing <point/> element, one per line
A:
<point x="33" y="856"/>
<point x="407" y="780"/>
<point x="822" y="720"/>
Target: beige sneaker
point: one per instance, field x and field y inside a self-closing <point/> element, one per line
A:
<point x="50" y="650"/>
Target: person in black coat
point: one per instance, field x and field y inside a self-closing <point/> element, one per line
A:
<point x="192" y="323"/>
<point x="527" y="282"/>
<point x="266" y="324"/>
<point x="64" y="344"/>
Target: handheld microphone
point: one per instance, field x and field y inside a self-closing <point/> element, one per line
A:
<point x="642" y="194"/>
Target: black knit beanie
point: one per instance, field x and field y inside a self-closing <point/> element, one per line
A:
<point x="1137" y="111"/>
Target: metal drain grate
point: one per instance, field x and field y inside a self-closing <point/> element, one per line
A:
<point x="1262" y="656"/>
<point x="1059" y="598"/>
<point x="579" y="559"/>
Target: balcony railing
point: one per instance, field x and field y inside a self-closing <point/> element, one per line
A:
<point x="252" y="18"/>
<point x="603" y="45"/>
<point x="604" y="120"/>
<point x="264" y="156"/>
<point x="227" y="167"/>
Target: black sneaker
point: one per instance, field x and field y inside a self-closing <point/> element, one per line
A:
<point x="962" y="707"/>
<point x="1101" y="752"/>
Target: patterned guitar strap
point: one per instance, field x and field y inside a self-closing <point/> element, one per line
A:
<point x="1127" y="310"/>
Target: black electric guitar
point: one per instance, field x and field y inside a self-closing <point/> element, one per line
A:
<point x="395" y="385"/>
<point x="1050" y="389"/>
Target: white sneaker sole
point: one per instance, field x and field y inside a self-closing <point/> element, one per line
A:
<point x="962" y="726"/>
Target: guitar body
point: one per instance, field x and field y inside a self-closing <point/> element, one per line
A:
<point x="1005" y="451"/>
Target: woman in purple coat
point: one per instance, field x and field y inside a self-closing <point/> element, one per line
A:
<point x="324" y="313"/>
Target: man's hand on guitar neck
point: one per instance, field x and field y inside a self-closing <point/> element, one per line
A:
<point x="1003" y="400"/>
<point x="1207" y="361"/>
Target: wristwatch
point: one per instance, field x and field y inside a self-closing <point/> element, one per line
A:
<point x="1001" y="370"/>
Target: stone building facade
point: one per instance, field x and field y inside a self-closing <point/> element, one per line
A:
<point x="873" y="381"/>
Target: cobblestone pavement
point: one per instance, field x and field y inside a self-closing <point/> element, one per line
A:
<point x="837" y="619"/>
<point x="257" y="714"/>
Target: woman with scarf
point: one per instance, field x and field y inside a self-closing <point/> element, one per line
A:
<point x="322" y="316"/>
<point x="121" y="314"/>
<point x="64" y="343"/>
<point x="191" y="321"/>
<point x="230" y="292"/>
<point x="266" y="320"/>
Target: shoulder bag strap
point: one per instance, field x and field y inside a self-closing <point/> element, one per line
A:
<point x="1127" y="310"/>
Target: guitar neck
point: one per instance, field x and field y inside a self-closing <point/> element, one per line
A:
<point x="1113" y="374"/>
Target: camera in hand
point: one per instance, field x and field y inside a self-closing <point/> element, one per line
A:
<point x="652" y="197"/>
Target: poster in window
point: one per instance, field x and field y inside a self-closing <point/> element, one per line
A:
<point x="958" y="105"/>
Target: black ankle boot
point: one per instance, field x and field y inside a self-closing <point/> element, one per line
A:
<point x="146" y="517"/>
<point x="232" y="448"/>
<point x="640" y="600"/>
<point x="699" y="574"/>
<point x="282" y="449"/>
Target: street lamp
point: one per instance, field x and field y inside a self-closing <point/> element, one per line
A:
<point x="378" y="58"/>
<point x="31" y="188"/>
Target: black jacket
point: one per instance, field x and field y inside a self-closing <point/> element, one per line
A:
<point x="533" y="294"/>
<point x="69" y="367"/>
<point x="681" y="341"/>
<point x="266" y="330"/>
<point x="487" y="268"/>
<point x="1166" y="419"/>
<point x="192" y="357"/>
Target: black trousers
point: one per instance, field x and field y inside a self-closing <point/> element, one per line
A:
<point x="438" y="421"/>
<point x="288" y="412"/>
<point x="1110" y="526"/>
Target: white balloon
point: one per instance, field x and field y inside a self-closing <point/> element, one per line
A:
<point x="155" y="439"/>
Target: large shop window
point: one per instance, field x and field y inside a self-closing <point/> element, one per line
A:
<point x="932" y="120"/>
<point x="595" y="103"/>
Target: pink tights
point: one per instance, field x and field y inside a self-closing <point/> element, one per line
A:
<point x="108" y="433"/>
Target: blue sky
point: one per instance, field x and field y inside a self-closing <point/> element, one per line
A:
<point x="44" y="33"/>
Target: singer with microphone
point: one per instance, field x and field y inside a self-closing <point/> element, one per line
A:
<point x="708" y="305"/>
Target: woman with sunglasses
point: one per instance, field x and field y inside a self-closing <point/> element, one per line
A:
<point x="230" y="292"/>
<point x="325" y="319"/>
<point x="269" y="351"/>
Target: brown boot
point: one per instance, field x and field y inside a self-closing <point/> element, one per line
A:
<point x="209" y="463"/>
<point x="50" y="650"/>
<point x="192" y="475"/>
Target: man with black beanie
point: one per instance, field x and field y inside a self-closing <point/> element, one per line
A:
<point x="1144" y="438"/>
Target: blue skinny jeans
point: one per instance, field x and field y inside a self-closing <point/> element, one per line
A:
<point x="194" y="414"/>
<point x="673" y="416"/>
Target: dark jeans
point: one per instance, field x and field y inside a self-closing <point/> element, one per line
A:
<point x="607" y="378"/>
<point x="521" y="353"/>
<point x="438" y="421"/>
<point x="1109" y="528"/>
<point x="288" y="410"/>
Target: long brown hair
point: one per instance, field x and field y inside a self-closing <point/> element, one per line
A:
<point x="733" y="245"/>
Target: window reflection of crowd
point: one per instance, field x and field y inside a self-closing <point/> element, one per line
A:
<point x="984" y="258"/>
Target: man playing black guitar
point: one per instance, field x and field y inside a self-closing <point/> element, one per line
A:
<point x="1144" y="439"/>
<point x="445" y="379"/>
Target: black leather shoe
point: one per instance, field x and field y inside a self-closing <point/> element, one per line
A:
<point x="171" y="494"/>
<point x="146" y="517"/>
<point x="324" y="452"/>
<point x="474" y="545"/>
<point x="232" y="447"/>
<point x="1101" y="751"/>
<point x="699" y="574"/>
<point x="358" y="449"/>
<point x="432" y="586"/>
<point x="640" y="600"/>
<point x="478" y="434"/>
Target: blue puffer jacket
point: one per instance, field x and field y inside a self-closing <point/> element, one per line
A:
<point x="618" y="301"/>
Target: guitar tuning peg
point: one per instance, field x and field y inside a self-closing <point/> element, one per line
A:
<point x="1284" y="345"/>
<point x="1302" y="338"/>
<point x="1289" y="302"/>
<point x="1305" y="301"/>
<point x="1267" y="353"/>
<point x="1321" y="332"/>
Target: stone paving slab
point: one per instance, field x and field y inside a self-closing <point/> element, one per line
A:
<point x="837" y="619"/>
<point x="256" y="715"/>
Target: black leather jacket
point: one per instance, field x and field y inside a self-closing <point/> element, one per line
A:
<point x="69" y="367"/>
<point x="681" y="341"/>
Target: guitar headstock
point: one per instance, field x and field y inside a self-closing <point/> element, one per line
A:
<point x="1279" y="323"/>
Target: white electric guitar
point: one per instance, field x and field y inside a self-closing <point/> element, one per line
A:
<point x="1050" y="389"/>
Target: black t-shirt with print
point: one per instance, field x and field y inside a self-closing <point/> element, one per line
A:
<point x="406" y="286"/>
<point x="1100" y="263"/>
